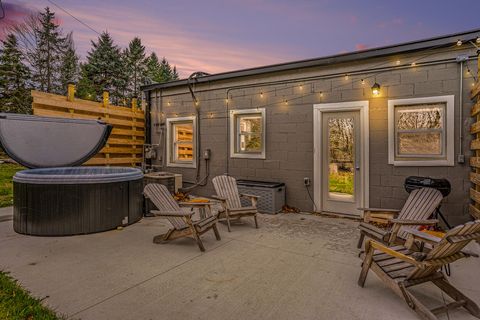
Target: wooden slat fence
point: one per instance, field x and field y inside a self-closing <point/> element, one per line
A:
<point x="475" y="146"/>
<point x="125" y="145"/>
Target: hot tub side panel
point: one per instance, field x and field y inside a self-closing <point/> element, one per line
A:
<point x="135" y="201"/>
<point x="63" y="209"/>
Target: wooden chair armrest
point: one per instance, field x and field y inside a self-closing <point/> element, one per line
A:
<point x="179" y="214"/>
<point x="195" y="204"/>
<point x="380" y="247"/>
<point x="219" y="198"/>
<point x="405" y="222"/>
<point x="245" y="195"/>
<point x="379" y="210"/>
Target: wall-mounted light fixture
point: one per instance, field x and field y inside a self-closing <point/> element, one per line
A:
<point x="376" y="89"/>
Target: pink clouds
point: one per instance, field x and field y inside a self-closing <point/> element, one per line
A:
<point x="361" y="46"/>
<point x="14" y="14"/>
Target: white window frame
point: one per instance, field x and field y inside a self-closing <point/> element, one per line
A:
<point x="447" y="135"/>
<point x="234" y="133"/>
<point x="170" y="151"/>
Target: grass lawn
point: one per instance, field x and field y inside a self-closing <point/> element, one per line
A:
<point x="7" y="171"/>
<point x="16" y="303"/>
<point x="341" y="182"/>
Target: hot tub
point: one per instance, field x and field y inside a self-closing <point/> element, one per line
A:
<point x="55" y="197"/>
<point x="76" y="200"/>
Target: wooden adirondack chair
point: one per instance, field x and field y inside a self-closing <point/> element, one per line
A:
<point x="227" y="193"/>
<point x="180" y="218"/>
<point x="420" y="205"/>
<point x="400" y="267"/>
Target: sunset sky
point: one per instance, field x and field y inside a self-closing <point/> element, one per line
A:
<point x="215" y="35"/>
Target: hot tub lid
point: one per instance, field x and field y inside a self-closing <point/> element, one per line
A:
<point x="77" y="175"/>
<point x="45" y="142"/>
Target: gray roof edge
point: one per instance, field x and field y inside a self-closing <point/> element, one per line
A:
<point x="416" y="45"/>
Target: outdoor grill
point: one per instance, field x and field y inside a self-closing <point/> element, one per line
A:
<point x="55" y="197"/>
<point x="442" y="185"/>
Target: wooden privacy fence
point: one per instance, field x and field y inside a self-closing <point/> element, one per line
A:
<point x="475" y="146"/>
<point x="125" y="145"/>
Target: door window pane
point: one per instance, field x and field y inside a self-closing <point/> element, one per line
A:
<point x="341" y="156"/>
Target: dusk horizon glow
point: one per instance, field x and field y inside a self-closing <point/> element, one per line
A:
<point x="218" y="36"/>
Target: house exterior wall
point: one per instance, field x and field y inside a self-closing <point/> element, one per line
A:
<point x="289" y="127"/>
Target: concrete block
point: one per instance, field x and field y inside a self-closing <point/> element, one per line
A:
<point x="428" y="88"/>
<point x="413" y="76"/>
<point x="401" y="90"/>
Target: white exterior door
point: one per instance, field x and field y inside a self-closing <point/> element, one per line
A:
<point x="341" y="189"/>
<point x="341" y="157"/>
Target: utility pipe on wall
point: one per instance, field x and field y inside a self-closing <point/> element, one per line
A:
<point x="461" y="157"/>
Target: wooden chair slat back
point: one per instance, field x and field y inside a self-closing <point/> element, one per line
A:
<point x="163" y="200"/>
<point x="226" y="187"/>
<point x="420" y="205"/>
<point x="445" y="249"/>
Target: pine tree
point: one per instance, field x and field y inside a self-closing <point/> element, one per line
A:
<point x="14" y="75"/>
<point x="135" y="59"/>
<point x="152" y="69"/>
<point x="157" y="71"/>
<point x="104" y="67"/>
<point x="175" y="75"/>
<point x="69" y="66"/>
<point x="85" y="86"/>
<point x="48" y="52"/>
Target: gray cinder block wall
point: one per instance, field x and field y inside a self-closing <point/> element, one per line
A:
<point x="289" y="127"/>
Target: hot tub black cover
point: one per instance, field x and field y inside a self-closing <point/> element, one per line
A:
<point x="44" y="142"/>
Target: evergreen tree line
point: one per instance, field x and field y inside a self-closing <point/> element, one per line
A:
<point x="38" y="55"/>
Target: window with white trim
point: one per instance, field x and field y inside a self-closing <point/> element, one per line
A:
<point x="247" y="133"/>
<point x="181" y="142"/>
<point x="421" y="131"/>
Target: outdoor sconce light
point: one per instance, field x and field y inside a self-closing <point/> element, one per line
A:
<point x="376" y="89"/>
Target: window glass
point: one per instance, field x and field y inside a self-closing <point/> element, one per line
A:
<point x="419" y="130"/>
<point x="249" y="133"/>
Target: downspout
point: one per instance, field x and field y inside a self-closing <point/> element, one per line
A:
<point x="461" y="156"/>
<point x="148" y="125"/>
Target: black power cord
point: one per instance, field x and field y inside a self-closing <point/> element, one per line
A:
<point x="311" y="198"/>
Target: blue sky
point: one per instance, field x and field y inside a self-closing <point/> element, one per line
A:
<point x="215" y="36"/>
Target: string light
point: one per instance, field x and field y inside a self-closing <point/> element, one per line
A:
<point x="197" y="103"/>
<point x="413" y="64"/>
<point x="286" y="101"/>
<point x="226" y="100"/>
<point x="211" y="115"/>
<point x="363" y="82"/>
<point x="459" y="42"/>
<point x="478" y="40"/>
<point x="261" y="94"/>
<point x="346" y="76"/>
<point x="301" y="87"/>
<point x="169" y="103"/>
<point x="397" y="62"/>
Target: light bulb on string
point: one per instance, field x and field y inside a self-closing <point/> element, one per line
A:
<point x="459" y="43"/>
<point x="397" y="62"/>
<point x="169" y="103"/>
<point x="413" y="64"/>
<point x="261" y="94"/>
<point x="346" y="76"/>
<point x="362" y="81"/>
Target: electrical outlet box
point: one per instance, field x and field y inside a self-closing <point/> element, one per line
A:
<point x="461" y="158"/>
<point x="306" y="181"/>
<point x="206" y="154"/>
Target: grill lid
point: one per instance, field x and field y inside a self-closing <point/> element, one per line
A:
<point x="44" y="142"/>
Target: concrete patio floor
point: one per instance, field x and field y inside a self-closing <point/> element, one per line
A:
<point x="294" y="267"/>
